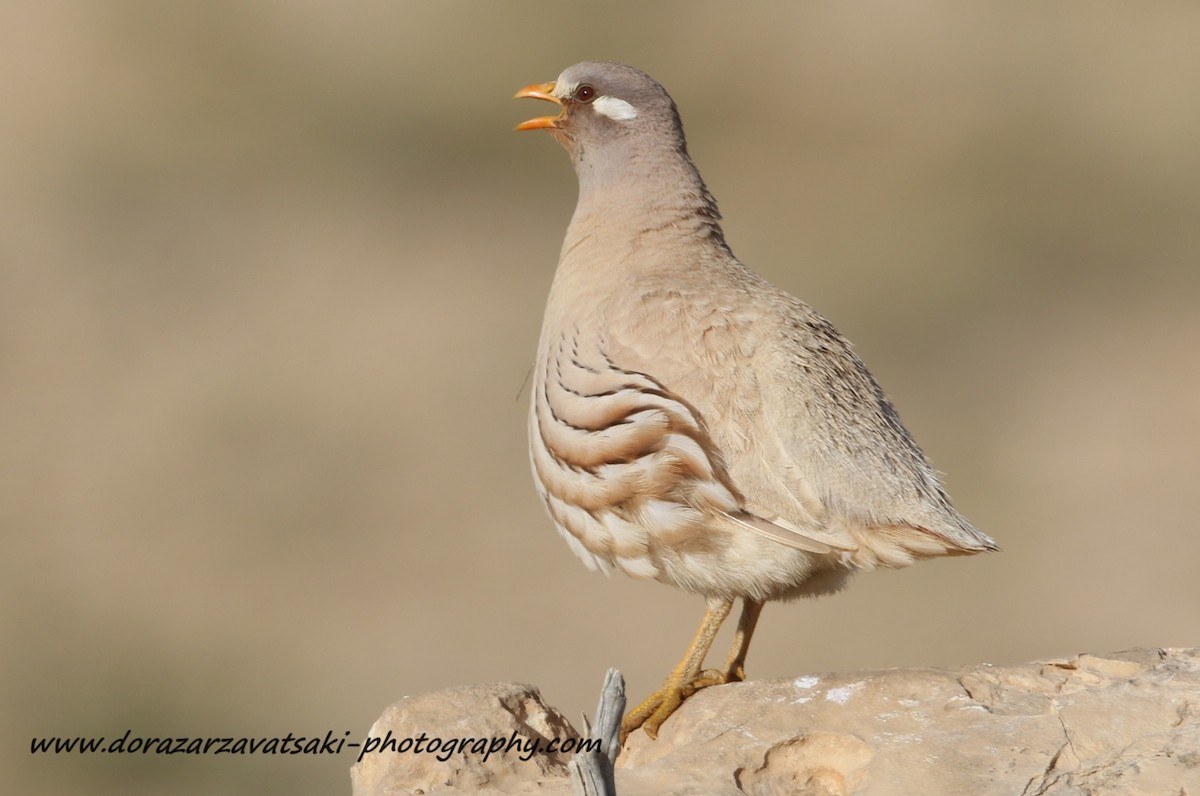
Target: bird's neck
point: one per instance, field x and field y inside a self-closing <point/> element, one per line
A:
<point x="644" y="196"/>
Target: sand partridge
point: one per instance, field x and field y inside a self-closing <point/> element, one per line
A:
<point x="691" y="423"/>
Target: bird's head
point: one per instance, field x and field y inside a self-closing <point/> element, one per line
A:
<point x="626" y="142"/>
<point x="606" y="107"/>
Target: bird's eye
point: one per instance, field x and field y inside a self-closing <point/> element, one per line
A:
<point x="585" y="93"/>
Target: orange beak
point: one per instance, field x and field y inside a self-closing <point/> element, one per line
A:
<point x="539" y="91"/>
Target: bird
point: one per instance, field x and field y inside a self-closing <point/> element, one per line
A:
<point x="690" y="422"/>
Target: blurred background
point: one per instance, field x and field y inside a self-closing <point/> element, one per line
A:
<point x="271" y="279"/>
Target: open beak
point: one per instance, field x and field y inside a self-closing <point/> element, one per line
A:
<point x="539" y="91"/>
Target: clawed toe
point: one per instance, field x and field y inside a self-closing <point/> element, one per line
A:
<point x="710" y="677"/>
<point x="659" y="706"/>
<point x="656" y="709"/>
<point x="687" y="678"/>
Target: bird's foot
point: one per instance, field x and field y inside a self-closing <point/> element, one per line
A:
<point x="655" y="709"/>
<point x="710" y="677"/>
<point x="659" y="706"/>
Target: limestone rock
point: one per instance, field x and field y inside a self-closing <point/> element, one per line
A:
<point x="473" y="739"/>
<point x="1123" y="723"/>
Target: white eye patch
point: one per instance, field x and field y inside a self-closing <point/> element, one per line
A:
<point x="613" y="108"/>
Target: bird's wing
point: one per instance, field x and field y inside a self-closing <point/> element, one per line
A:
<point x="804" y="434"/>
<point x="718" y="393"/>
<point x="616" y="440"/>
<point x="782" y="531"/>
<point x="835" y="425"/>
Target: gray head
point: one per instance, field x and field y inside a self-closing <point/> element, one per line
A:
<point x="620" y="127"/>
<point x="603" y="103"/>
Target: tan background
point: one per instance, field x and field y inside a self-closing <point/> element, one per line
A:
<point x="272" y="275"/>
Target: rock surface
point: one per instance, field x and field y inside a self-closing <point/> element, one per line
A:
<point x="1122" y="723"/>
<point x="430" y="743"/>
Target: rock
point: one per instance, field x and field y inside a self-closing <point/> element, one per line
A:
<point x="1123" y="723"/>
<point x="473" y="739"/>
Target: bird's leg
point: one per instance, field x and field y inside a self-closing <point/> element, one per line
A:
<point x="680" y="684"/>
<point x="734" y="670"/>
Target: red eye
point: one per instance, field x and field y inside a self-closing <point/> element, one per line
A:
<point x="585" y="93"/>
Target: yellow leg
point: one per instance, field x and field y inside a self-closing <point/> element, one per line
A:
<point x="734" y="670"/>
<point x="682" y="682"/>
